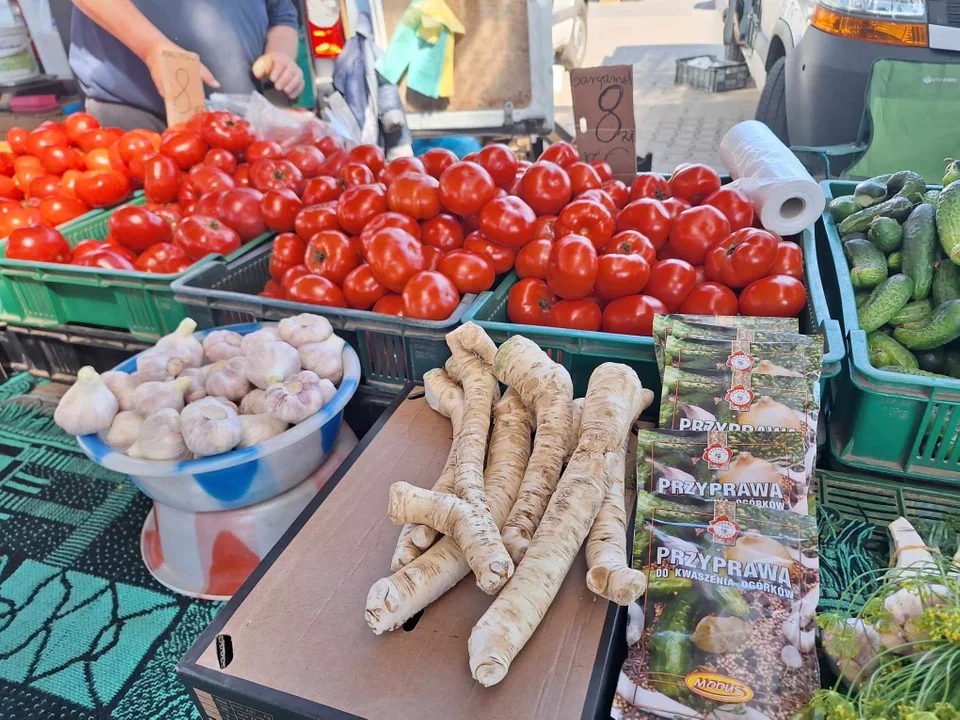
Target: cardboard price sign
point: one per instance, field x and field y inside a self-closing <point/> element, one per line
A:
<point x="183" y="89"/>
<point x="603" y="110"/>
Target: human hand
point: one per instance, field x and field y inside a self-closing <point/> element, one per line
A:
<point x="282" y="70"/>
<point x="152" y="61"/>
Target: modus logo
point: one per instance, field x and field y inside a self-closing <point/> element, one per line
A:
<point x="931" y="80"/>
<point x="719" y="688"/>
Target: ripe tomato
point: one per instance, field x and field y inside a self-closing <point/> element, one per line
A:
<point x="241" y="176"/>
<point x="436" y="160"/>
<point x="429" y="295"/>
<point x="604" y="171"/>
<point x="240" y="209"/>
<point x="226" y="130"/>
<point x="332" y="255"/>
<point x="646" y="216"/>
<point x="598" y="196"/>
<point x="98" y="138"/>
<point x="583" y="177"/>
<point x="57" y="159"/>
<point x="391" y="219"/>
<point x="632" y="315"/>
<point x="320" y="190"/>
<point x="280" y="209"/>
<point x="85" y="247"/>
<point x="545" y="227"/>
<point x="443" y="231"/>
<point x="137" y="142"/>
<point x="534" y="258"/>
<point x="186" y="149"/>
<point x="469" y="271"/>
<point x="789" y="260"/>
<point x="221" y="159"/>
<point x="389" y="304"/>
<point x="44" y="137"/>
<point x="276" y="175"/>
<point x="334" y="161"/>
<point x="710" y="298"/>
<point x="316" y="290"/>
<point x="394" y="257"/>
<point x="263" y="150"/>
<point x="498" y="160"/>
<point x="315" y="218"/>
<point x="431" y="257"/>
<point x="562" y="153"/>
<point x="200" y="235"/>
<point x="572" y="270"/>
<point x="102" y="189"/>
<point x="105" y="259"/>
<point x="618" y="193"/>
<point x="735" y="206"/>
<point x="620" y="275"/>
<point x="414" y="194"/>
<point x="291" y="275"/>
<point x="671" y="281"/>
<point x="161" y="179"/>
<point x="701" y="275"/>
<point x="57" y="209"/>
<point x="586" y="218"/>
<point x="694" y="183"/>
<point x="746" y="255"/>
<point x="649" y="185"/>
<point x="99" y="159"/>
<point x="162" y="258"/>
<point x="361" y="289"/>
<point x="530" y="302"/>
<point x="138" y="228"/>
<point x="308" y="160"/>
<point x="465" y="188"/>
<point x="774" y="296"/>
<point x="401" y="166"/>
<point x="16" y="138"/>
<point x="631" y="242"/>
<point x="19" y="218"/>
<point x="288" y="250"/>
<point x="675" y="206"/>
<point x="77" y="124"/>
<point x="207" y="179"/>
<point x="501" y="256"/>
<point x="9" y="189"/>
<point x="696" y="232"/>
<point x="582" y="314"/>
<point x="44" y="186"/>
<point x="171" y="212"/>
<point x="272" y="290"/>
<point x="546" y="188"/>
<point x="41" y="243"/>
<point x="369" y="155"/>
<point x="359" y="205"/>
<point x="508" y="221"/>
<point x="352" y="174"/>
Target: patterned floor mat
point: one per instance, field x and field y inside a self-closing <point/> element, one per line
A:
<point x="85" y="632"/>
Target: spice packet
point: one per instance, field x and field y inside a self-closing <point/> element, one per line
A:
<point x="760" y="468"/>
<point x="726" y="628"/>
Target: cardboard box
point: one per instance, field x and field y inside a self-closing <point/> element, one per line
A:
<point x="293" y="643"/>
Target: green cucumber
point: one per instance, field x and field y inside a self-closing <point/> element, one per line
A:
<point x="911" y="371"/>
<point x="932" y="360"/>
<point x="916" y="311"/>
<point x="870" y="192"/>
<point x="952" y="173"/>
<point x="868" y="266"/>
<point x="908" y="184"/>
<point x="919" y="251"/>
<point x="842" y="207"/>
<point x="932" y="197"/>
<point x="895" y="262"/>
<point x="884" y="350"/>
<point x="944" y="326"/>
<point x="946" y="282"/>
<point x="730" y="600"/>
<point x="886" y="300"/>
<point x="861" y="297"/>
<point x="668" y="585"/>
<point x="897" y="207"/>
<point x="886" y="234"/>
<point x="670" y="641"/>
<point x="951" y="363"/>
<point x="948" y="220"/>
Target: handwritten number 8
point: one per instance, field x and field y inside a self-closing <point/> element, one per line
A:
<point x="182" y="98"/>
<point x="603" y="102"/>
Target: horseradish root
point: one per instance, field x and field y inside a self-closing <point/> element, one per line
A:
<point x="394" y="600"/>
<point x="614" y="400"/>
<point x="545" y="387"/>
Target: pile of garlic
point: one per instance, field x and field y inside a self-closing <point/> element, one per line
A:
<point x="189" y="399"/>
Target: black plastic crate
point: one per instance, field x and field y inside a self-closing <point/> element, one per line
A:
<point x="707" y="72"/>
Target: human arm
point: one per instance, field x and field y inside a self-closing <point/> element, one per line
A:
<point x="279" y="60"/>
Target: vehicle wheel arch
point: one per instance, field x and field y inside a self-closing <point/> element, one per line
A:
<point x="781" y="44"/>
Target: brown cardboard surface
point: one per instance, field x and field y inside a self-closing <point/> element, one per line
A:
<point x="604" y="117"/>
<point x="301" y="629"/>
<point x="182" y="86"/>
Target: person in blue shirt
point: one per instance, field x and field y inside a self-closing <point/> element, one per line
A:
<point x="116" y="44"/>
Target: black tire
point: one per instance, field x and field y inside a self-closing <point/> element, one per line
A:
<point x="574" y="52"/>
<point x="772" y="107"/>
<point x="733" y="52"/>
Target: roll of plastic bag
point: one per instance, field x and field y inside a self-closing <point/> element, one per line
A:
<point x="784" y="195"/>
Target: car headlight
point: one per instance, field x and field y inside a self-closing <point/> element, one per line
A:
<point x="909" y="10"/>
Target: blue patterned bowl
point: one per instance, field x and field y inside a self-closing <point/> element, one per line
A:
<point x="240" y="477"/>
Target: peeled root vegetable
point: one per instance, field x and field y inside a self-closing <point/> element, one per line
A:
<point x="394" y="600"/>
<point x="614" y="400"/>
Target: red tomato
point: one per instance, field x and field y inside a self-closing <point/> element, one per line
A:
<point x="186" y="149"/>
<point x="361" y="289"/>
<point x="161" y="179"/>
<point x="696" y="232"/>
<point x="501" y="256"/>
<point x="649" y="185"/>
<point x="621" y="275"/>
<point x="369" y="155"/>
<point x="710" y="298"/>
<point x="508" y="221"/>
<point x="675" y="206"/>
<point x="694" y="183"/>
<point x="9" y="189"/>
<point x="137" y="228"/>
<point x="443" y="231"/>
<point x="200" y="235"/>
<point x="789" y="260"/>
<point x="77" y="124"/>
<point x="582" y="314"/>
<point x="7" y="168"/>
<point x="583" y="177"/>
<point x="431" y="257"/>
<point x="701" y="275"/>
<point x="315" y="218"/>
<point x="44" y="186"/>
<point x="414" y="194"/>
<point x="332" y="255"/>
<point x="436" y="160"/>
<point x="562" y="153"/>
<point x="239" y="209"/>
<point x="40" y="243"/>
<point x="16" y="138"/>
<point x="391" y="219"/>
<point x="631" y="242"/>
<point x="401" y="166"/>
<point x="546" y="188"/>
<point x="774" y="296"/>
<point x="735" y="206"/>
<point x="171" y="212"/>
<point x="44" y="137"/>
<point x="207" y="179"/>
<point x="618" y="193"/>
<point x="429" y="295"/>
<point x="498" y="160"/>
<point x="334" y="161"/>
<point x="162" y="258"/>
<point x="272" y="290"/>
<point x="469" y="271"/>
<point x="263" y="150"/>
<point x="598" y="196"/>
<point x="390" y="304"/>
<point x="85" y="247"/>
<point x="647" y="216"/>
<point x="102" y="189"/>
<point x="288" y="250"/>
<point x="137" y="142"/>
<point x="586" y="218"/>
<point x="632" y="315"/>
<point x="545" y="227"/>
<point x="99" y="159"/>
<point x="276" y="175"/>
<point x="320" y="190"/>
<point x="530" y="302"/>
<point x="604" y="171"/>
<point x="352" y="174"/>
<point x="746" y="255"/>
<point x="104" y="259"/>
<point x="98" y="138"/>
<point x="534" y="258"/>
<point x="57" y="209"/>
<point x="68" y="183"/>
<point x="291" y="275"/>
<point x="316" y="290"/>
<point x="226" y="130"/>
<point x="359" y="205"/>
<point x="241" y="176"/>
<point x="57" y="159"/>
<point x="308" y="160"/>
<point x="221" y="159"/>
<point x="671" y="281"/>
<point x="19" y="218"/>
<point x="465" y="188"/>
<point x="280" y="209"/>
<point x="208" y="204"/>
<point x="394" y="257"/>
<point x="572" y="271"/>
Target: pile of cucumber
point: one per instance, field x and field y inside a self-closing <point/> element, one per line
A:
<point x="902" y="243"/>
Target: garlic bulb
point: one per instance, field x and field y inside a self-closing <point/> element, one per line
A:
<point x="222" y="345"/>
<point x="228" y="379"/>
<point x="264" y="334"/>
<point x="197" y="389"/>
<point x="296" y="398"/>
<point x="324" y="358"/>
<point x="253" y="402"/>
<point x="88" y="406"/>
<point x="260" y="428"/>
<point x="210" y="428"/>
<point x="122" y="385"/>
<point x="271" y="362"/>
<point x="182" y="343"/>
<point x="327" y="391"/>
<point x="305" y="328"/>
<point x="159" y="437"/>
<point x="124" y="431"/>
<point x="152" y="396"/>
<point x="156" y="365"/>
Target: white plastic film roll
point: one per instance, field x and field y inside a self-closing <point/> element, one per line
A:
<point x="784" y="195"/>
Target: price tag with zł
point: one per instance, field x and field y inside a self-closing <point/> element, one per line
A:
<point x="603" y="111"/>
<point x="182" y="86"/>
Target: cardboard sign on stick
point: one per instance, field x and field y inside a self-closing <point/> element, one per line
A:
<point x="603" y="112"/>
<point x="183" y="89"/>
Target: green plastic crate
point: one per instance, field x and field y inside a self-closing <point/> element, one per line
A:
<point x="36" y="294"/>
<point x="888" y="422"/>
